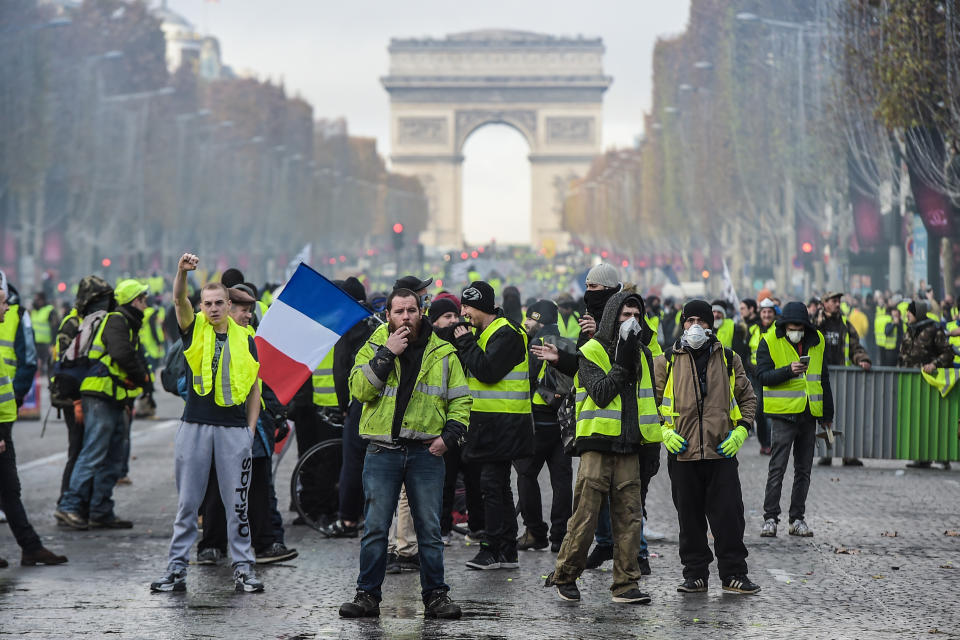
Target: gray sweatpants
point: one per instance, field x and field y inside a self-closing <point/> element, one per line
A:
<point x="229" y="449"/>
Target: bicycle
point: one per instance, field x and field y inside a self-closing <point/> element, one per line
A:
<point x="327" y="455"/>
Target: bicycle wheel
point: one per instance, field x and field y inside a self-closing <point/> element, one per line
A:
<point x="327" y="455"/>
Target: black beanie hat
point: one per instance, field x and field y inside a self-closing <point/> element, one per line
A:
<point x="543" y="311"/>
<point x="355" y="288"/>
<point x="480" y="296"/>
<point x="440" y="306"/>
<point x="697" y="309"/>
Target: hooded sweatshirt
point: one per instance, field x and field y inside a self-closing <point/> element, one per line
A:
<point x="604" y="387"/>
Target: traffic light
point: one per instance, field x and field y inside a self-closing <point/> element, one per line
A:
<point x="397" y="236"/>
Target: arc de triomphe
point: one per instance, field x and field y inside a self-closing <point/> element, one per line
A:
<point x="548" y="88"/>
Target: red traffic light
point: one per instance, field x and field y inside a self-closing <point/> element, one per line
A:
<point x="705" y="274"/>
<point x="398" y="228"/>
<point x="61" y="287"/>
<point x="625" y="263"/>
<point x="464" y="255"/>
<point x="807" y="247"/>
<point x="106" y="262"/>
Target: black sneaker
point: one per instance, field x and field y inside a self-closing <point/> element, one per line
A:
<point x="555" y="546"/>
<point x="509" y="559"/>
<point x="110" y="523"/>
<point x="72" y="520"/>
<point x="437" y="604"/>
<point x="528" y="542"/>
<point x="740" y="584"/>
<point x="485" y="560"/>
<point x="600" y="554"/>
<point x="693" y="585"/>
<point x="246" y="581"/>
<point x="393" y="563"/>
<point x="277" y="552"/>
<point x="633" y="596"/>
<point x="364" y="605"/>
<point x="338" y="529"/>
<point x="209" y="557"/>
<point x="568" y="592"/>
<point x="172" y="581"/>
<point x="3" y="563"/>
<point x="644" y="566"/>
<point x="409" y="564"/>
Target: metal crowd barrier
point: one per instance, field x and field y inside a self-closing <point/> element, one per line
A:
<point x="893" y="413"/>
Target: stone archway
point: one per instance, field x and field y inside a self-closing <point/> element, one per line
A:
<point x="549" y="89"/>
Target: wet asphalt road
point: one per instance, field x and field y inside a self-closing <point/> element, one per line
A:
<point x="900" y="579"/>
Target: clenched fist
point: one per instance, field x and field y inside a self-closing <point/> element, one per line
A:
<point x="188" y="262"/>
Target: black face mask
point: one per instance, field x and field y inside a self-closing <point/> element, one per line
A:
<point x="655" y="309"/>
<point x="596" y="300"/>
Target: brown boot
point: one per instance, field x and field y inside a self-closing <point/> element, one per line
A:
<point x="40" y="556"/>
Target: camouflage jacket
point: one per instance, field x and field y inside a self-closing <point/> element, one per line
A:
<point x="925" y="342"/>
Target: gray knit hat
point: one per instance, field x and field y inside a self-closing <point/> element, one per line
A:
<point x="604" y="275"/>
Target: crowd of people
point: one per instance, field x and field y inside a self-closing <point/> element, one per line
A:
<point x="438" y="399"/>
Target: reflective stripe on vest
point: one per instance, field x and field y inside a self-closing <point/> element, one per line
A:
<point x="324" y="390"/>
<point x="793" y="395"/>
<point x="41" y="324"/>
<point x="511" y="394"/>
<point x="593" y="420"/>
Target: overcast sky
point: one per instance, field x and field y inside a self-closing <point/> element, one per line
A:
<point x="334" y="53"/>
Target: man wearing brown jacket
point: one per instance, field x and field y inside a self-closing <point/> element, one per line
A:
<point x="708" y="404"/>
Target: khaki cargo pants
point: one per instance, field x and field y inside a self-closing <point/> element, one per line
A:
<point x="598" y="475"/>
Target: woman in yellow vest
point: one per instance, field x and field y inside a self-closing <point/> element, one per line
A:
<point x="796" y="396"/>
<point x="616" y="413"/>
<point x="708" y="404"/>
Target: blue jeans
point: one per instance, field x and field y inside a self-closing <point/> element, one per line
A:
<point x="604" y="535"/>
<point x="384" y="471"/>
<point x="100" y="461"/>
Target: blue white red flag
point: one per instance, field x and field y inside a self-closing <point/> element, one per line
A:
<point x="300" y="327"/>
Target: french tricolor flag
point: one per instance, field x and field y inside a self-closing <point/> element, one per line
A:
<point x="300" y="328"/>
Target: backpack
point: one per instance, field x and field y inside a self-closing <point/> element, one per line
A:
<point x="174" y="368"/>
<point x="74" y="363"/>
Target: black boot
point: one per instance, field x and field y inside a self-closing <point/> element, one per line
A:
<point x="437" y="604"/>
<point x="364" y="605"/>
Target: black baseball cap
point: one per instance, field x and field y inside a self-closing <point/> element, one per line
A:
<point x="413" y="283"/>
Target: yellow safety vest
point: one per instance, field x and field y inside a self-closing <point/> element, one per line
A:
<point x="607" y="421"/>
<point x="755" y="334"/>
<point x="725" y="333"/>
<point x="512" y="393"/>
<point x="943" y="381"/>
<point x="151" y="347"/>
<point x="40" y="318"/>
<point x="324" y="391"/>
<point x="236" y="370"/>
<point x="107" y="377"/>
<point x="793" y="395"/>
<point x="56" y="343"/>
<point x="880" y="336"/>
<point x="954" y="340"/>
<point x="8" y="333"/>
<point x="569" y="328"/>
<point x="8" y="365"/>
<point x="669" y="407"/>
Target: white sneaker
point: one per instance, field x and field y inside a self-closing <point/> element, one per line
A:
<point x="769" y="529"/>
<point x="3" y="516"/>
<point x="800" y="528"/>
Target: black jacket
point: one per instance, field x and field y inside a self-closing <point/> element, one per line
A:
<point x="543" y="415"/>
<point x="345" y="353"/>
<point x="770" y="376"/>
<point x="495" y="436"/>
<point x="604" y="387"/>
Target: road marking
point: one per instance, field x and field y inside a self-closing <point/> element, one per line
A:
<point x="166" y="424"/>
